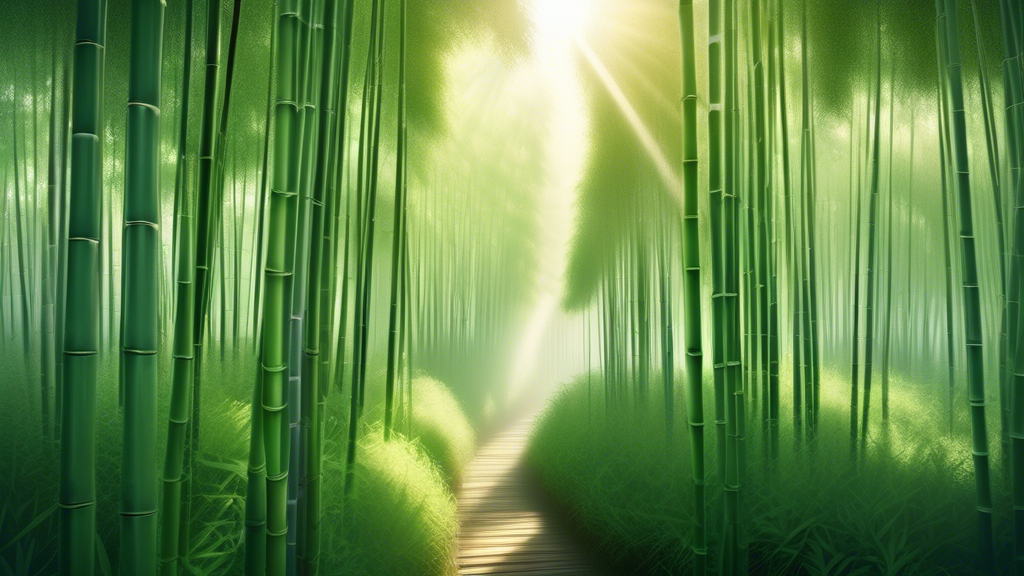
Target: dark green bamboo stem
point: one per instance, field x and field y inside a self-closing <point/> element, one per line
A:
<point x="22" y="242"/>
<point x="716" y="177"/>
<point x="948" y="33"/>
<point x="876" y="144"/>
<point x="690" y="244"/>
<point x="205" y="207"/>
<point x="854" y="377"/>
<point x="362" y="310"/>
<point x="48" y="262"/>
<point x="278" y="272"/>
<point x="807" y="263"/>
<point x="182" y="347"/>
<point x="312" y="395"/>
<point x="397" y="236"/>
<point x="140" y="300"/>
<point x="81" y="330"/>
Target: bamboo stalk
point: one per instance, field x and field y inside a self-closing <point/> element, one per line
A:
<point x="690" y="243"/>
<point x="397" y="236"/>
<point x="81" y="330"/>
<point x="312" y="395"/>
<point x="278" y="274"/>
<point x="869" y="331"/>
<point x="48" y="257"/>
<point x="140" y="301"/>
<point x="62" y="250"/>
<point x="23" y="270"/>
<point x="204" y="228"/>
<point x="948" y="35"/>
<point x="887" y="334"/>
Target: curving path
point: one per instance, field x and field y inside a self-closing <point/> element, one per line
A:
<point x="506" y="528"/>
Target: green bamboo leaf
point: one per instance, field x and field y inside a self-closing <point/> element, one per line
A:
<point x="101" y="554"/>
<point x="28" y="527"/>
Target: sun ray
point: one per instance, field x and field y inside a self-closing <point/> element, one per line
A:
<point x="666" y="172"/>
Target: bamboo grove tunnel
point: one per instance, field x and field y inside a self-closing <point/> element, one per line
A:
<point x="579" y="287"/>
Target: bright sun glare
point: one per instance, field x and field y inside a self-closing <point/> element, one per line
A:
<point x="560" y="18"/>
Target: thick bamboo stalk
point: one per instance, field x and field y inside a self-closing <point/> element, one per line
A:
<point x="278" y="272"/>
<point x="81" y="331"/>
<point x="140" y="300"/>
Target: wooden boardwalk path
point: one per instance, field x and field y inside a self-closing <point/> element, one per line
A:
<point x="505" y="526"/>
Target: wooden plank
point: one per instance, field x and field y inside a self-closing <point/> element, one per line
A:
<point x="505" y="528"/>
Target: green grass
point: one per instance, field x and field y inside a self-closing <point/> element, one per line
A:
<point x="404" y="515"/>
<point x="441" y="428"/>
<point x="909" y="511"/>
<point x="404" y="512"/>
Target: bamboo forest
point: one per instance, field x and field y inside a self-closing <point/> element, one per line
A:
<point x="468" y="287"/>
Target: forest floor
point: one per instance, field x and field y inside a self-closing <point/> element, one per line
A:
<point x="506" y="525"/>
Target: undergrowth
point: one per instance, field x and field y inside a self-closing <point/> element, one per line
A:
<point x="403" y="515"/>
<point x="901" y="508"/>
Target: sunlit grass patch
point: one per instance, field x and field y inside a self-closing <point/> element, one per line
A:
<point x="402" y="518"/>
<point x="439" y="422"/>
<point x="441" y="428"/>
